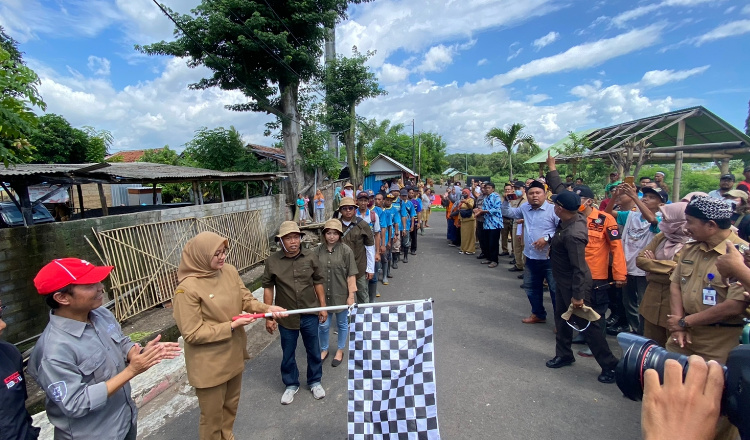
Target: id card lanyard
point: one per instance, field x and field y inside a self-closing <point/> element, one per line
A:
<point x="709" y="293"/>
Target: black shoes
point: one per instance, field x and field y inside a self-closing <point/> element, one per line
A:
<point x="612" y="320"/>
<point x="559" y="362"/>
<point x="480" y="256"/>
<point x="406" y="258"/>
<point x="394" y="264"/>
<point x="615" y="330"/>
<point x="504" y="254"/>
<point x="515" y="269"/>
<point x="520" y="277"/>
<point x="607" y="376"/>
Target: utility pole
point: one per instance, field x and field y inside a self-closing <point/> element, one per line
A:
<point x="412" y="145"/>
<point x="330" y="55"/>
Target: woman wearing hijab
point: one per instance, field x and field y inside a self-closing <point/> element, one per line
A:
<point x="466" y="213"/>
<point x="658" y="259"/>
<point x="340" y="268"/>
<point x="210" y="292"/>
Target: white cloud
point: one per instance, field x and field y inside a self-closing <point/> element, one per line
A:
<point x="654" y="78"/>
<point x="513" y="52"/>
<point x="546" y="40"/>
<point x="414" y="25"/>
<point x="732" y="29"/>
<point x="149" y="113"/>
<point x="746" y="9"/>
<point x="437" y="58"/>
<point x="482" y="62"/>
<point x="99" y="66"/>
<point x="390" y="74"/>
<point x="632" y="14"/>
<point x="585" y="55"/>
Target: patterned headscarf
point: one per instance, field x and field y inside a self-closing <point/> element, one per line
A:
<point x="708" y="208"/>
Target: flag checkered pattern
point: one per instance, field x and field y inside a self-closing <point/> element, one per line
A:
<point x="392" y="374"/>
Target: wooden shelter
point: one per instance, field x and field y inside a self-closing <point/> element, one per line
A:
<point x="693" y="134"/>
<point x="20" y="177"/>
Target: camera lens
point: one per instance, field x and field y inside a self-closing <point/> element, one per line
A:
<point x="640" y="354"/>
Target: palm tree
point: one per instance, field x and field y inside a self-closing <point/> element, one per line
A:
<point x="510" y="138"/>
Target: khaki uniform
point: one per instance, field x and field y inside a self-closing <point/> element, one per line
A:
<point x="711" y="342"/>
<point x="518" y="239"/>
<point x="697" y="260"/>
<point x="655" y="303"/>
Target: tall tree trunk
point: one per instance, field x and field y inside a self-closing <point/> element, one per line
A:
<point x="510" y="162"/>
<point x="360" y="147"/>
<point x="351" y="159"/>
<point x="291" y="132"/>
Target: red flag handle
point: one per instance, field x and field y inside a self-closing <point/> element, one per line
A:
<point x="249" y="315"/>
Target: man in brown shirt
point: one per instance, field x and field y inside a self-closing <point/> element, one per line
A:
<point x="295" y="275"/>
<point x="358" y="236"/>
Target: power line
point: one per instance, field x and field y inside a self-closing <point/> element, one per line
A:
<point x="214" y="59"/>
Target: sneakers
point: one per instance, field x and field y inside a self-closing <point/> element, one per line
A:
<point x="318" y="392"/>
<point x="385" y="283"/>
<point x="288" y="396"/>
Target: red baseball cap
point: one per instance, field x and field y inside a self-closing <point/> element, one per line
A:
<point x="64" y="271"/>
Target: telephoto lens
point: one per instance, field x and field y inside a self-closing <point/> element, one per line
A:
<point x="640" y="354"/>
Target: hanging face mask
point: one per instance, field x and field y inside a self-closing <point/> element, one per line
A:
<point x="519" y="193"/>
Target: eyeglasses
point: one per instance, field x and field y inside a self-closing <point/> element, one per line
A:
<point x="224" y="252"/>
<point x="2" y="308"/>
<point x="347" y="208"/>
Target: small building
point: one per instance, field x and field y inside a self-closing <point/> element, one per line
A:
<point x="386" y="169"/>
<point x="453" y="175"/>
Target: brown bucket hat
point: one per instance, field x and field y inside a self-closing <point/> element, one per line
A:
<point x="288" y="227"/>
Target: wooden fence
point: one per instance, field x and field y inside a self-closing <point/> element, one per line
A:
<point x="146" y="257"/>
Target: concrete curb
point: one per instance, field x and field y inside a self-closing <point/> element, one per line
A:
<point x="147" y="386"/>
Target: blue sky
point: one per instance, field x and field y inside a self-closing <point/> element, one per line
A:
<point x="457" y="67"/>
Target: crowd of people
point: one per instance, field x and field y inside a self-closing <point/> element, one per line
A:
<point x="672" y="271"/>
<point x="652" y="264"/>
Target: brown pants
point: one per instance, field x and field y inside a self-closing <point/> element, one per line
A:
<point x="507" y="233"/>
<point x="518" y="247"/>
<point x="655" y="332"/>
<point x="468" y="244"/>
<point x="219" y="409"/>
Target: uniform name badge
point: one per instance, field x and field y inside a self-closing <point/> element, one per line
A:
<point x="709" y="296"/>
<point x="709" y="293"/>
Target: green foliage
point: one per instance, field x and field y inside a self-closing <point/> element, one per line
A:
<point x="99" y="143"/>
<point x="394" y="142"/>
<point x="18" y="94"/>
<point x="509" y="138"/>
<point x="164" y="155"/>
<point x="56" y="141"/>
<point x="314" y="151"/>
<point x="348" y="82"/>
<point x="223" y="150"/>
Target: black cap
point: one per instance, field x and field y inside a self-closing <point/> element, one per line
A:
<point x="584" y="191"/>
<point x="567" y="200"/>
<point x="518" y="184"/>
<point x="658" y="191"/>
<point x="727" y="177"/>
<point x="536" y="184"/>
<point x="363" y="195"/>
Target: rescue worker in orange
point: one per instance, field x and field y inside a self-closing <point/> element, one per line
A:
<point x="604" y="244"/>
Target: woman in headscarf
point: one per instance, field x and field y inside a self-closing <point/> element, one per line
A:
<point x="340" y="268"/>
<point x="659" y="259"/>
<point x="337" y="199"/>
<point x="210" y="292"/>
<point x="466" y="213"/>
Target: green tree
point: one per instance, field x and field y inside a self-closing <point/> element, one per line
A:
<point x="164" y="155"/>
<point x="263" y="52"/>
<point x="348" y="82"/>
<point x="56" y="141"/>
<point x="99" y="143"/>
<point x="510" y="138"/>
<point x="18" y="94"/>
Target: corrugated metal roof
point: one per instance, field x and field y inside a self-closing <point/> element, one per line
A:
<point x="121" y="172"/>
<point x="398" y="164"/>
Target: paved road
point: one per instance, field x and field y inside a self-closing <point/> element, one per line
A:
<point x="491" y="378"/>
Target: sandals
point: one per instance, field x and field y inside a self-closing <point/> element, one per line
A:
<point x="491" y="265"/>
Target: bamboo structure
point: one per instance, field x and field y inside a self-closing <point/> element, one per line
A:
<point x="146" y="257"/>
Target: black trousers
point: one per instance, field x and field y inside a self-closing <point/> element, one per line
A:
<point x="413" y="235"/>
<point x="492" y="238"/>
<point x="482" y="237"/>
<point x="593" y="335"/>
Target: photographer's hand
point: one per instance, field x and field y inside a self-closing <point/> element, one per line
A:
<point x="689" y="410"/>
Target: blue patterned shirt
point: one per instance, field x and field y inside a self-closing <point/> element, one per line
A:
<point x="493" y="219"/>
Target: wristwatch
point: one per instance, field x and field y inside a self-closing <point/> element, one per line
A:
<point x="546" y="238"/>
<point x="682" y="323"/>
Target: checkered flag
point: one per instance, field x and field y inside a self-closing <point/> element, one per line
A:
<point x="392" y="373"/>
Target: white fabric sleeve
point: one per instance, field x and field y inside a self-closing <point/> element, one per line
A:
<point x="370" y="250"/>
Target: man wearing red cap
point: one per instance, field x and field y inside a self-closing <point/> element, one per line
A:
<point x="82" y="360"/>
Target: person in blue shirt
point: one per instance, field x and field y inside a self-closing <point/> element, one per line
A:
<point x="394" y="242"/>
<point x="388" y="227"/>
<point x="396" y="205"/>
<point x="539" y="225"/>
<point x="417" y="202"/>
<point x="408" y="214"/>
<point x="493" y="223"/>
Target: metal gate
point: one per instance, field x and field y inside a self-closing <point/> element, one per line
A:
<point x="146" y="257"/>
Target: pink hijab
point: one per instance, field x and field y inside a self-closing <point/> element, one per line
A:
<point x="673" y="227"/>
<point x="689" y="196"/>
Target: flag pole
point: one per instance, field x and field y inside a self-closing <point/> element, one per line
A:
<point x="332" y="308"/>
